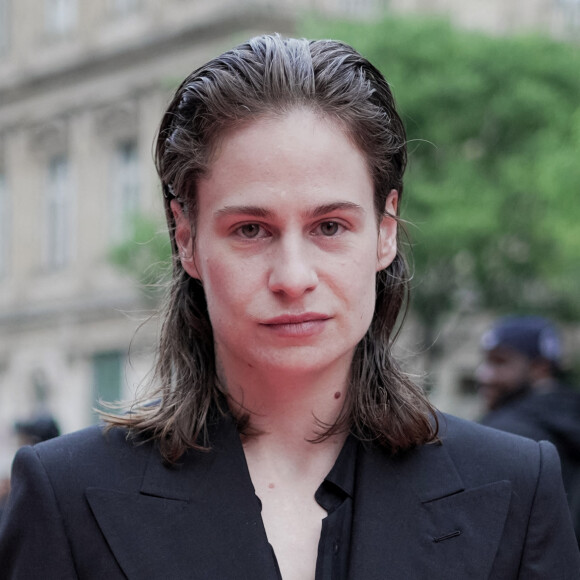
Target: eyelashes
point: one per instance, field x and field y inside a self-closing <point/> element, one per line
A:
<point x="251" y="231"/>
<point x="254" y="230"/>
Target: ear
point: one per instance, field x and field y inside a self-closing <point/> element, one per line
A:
<point x="184" y="239"/>
<point x="387" y="241"/>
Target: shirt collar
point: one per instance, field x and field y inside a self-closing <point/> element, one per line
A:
<point x="339" y="483"/>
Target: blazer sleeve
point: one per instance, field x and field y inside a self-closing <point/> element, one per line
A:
<point x="550" y="550"/>
<point x="33" y="540"/>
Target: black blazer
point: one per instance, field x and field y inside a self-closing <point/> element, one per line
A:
<point x="483" y="504"/>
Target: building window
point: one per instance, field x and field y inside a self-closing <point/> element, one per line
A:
<point x="107" y="377"/>
<point x="58" y="242"/>
<point x="4" y="26"/>
<point x="125" y="189"/>
<point x="4" y="226"/>
<point x="60" y="16"/>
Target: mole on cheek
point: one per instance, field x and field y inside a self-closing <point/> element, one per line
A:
<point x="337" y="395"/>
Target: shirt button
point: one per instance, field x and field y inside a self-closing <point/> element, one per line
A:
<point x="335" y="548"/>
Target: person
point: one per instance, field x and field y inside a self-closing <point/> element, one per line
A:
<point x="40" y="427"/>
<point x="282" y="440"/>
<point x="520" y="380"/>
<point x="4" y="491"/>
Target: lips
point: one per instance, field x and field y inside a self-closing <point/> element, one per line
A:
<point x="297" y="325"/>
<point x="296" y="318"/>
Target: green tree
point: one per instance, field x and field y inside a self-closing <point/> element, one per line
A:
<point x="494" y="166"/>
<point x="145" y="254"/>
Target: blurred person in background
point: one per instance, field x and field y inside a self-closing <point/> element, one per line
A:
<point x="281" y="438"/>
<point x="37" y="429"/>
<point x="4" y="491"/>
<point x="520" y="382"/>
<point x="29" y="432"/>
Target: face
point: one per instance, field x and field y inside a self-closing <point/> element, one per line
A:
<point x="503" y="371"/>
<point x="287" y="245"/>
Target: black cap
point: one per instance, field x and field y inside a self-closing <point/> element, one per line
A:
<point x="533" y="336"/>
<point x="41" y="428"/>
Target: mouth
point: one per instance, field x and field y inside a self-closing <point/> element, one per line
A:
<point x="297" y="325"/>
<point x="296" y="318"/>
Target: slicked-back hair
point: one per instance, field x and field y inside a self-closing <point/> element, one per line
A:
<point x="271" y="76"/>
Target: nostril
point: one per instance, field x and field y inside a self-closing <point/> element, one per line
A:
<point x="293" y="281"/>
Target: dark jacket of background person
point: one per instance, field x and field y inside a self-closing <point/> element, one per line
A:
<point x="533" y="402"/>
<point x="456" y="510"/>
<point x="553" y="416"/>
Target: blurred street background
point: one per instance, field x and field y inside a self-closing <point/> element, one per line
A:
<point x="490" y="94"/>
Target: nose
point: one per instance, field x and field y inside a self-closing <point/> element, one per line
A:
<point x="292" y="271"/>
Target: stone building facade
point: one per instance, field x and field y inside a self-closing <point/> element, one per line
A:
<point x="82" y="86"/>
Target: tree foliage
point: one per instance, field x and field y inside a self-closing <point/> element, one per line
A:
<point x="494" y="169"/>
<point x="145" y="254"/>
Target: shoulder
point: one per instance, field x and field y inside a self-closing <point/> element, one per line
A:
<point x="482" y="456"/>
<point x="468" y="455"/>
<point x="93" y="441"/>
<point x="464" y="436"/>
<point x="515" y="418"/>
<point x="482" y="452"/>
<point x="90" y="436"/>
<point x="91" y="456"/>
<point x="537" y="519"/>
<point x="456" y="431"/>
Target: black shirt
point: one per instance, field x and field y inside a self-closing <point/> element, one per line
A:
<point x="335" y="495"/>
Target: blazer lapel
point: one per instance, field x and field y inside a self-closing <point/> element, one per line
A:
<point x="201" y="519"/>
<point x="414" y="518"/>
<point x="198" y="520"/>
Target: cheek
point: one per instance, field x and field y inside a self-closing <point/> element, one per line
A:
<point x="368" y="304"/>
<point x="359" y="284"/>
<point x="227" y="287"/>
<point x="515" y="374"/>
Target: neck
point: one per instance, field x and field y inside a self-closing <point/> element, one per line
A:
<point x="289" y="409"/>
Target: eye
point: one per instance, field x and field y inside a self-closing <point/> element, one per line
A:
<point x="329" y="228"/>
<point x="250" y="231"/>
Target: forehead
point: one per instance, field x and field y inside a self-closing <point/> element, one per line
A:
<point x="298" y="156"/>
<point x="287" y="127"/>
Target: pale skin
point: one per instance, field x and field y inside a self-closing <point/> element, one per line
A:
<point x="287" y="244"/>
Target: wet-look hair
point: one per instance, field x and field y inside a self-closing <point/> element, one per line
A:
<point x="270" y="76"/>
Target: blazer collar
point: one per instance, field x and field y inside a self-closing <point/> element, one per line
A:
<point x="415" y="519"/>
<point x="199" y="519"/>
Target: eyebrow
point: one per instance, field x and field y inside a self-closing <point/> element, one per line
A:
<point x="262" y="212"/>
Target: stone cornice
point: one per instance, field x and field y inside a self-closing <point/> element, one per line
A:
<point x="80" y="310"/>
<point x="166" y="42"/>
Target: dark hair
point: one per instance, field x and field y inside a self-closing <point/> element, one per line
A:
<point x="270" y="76"/>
